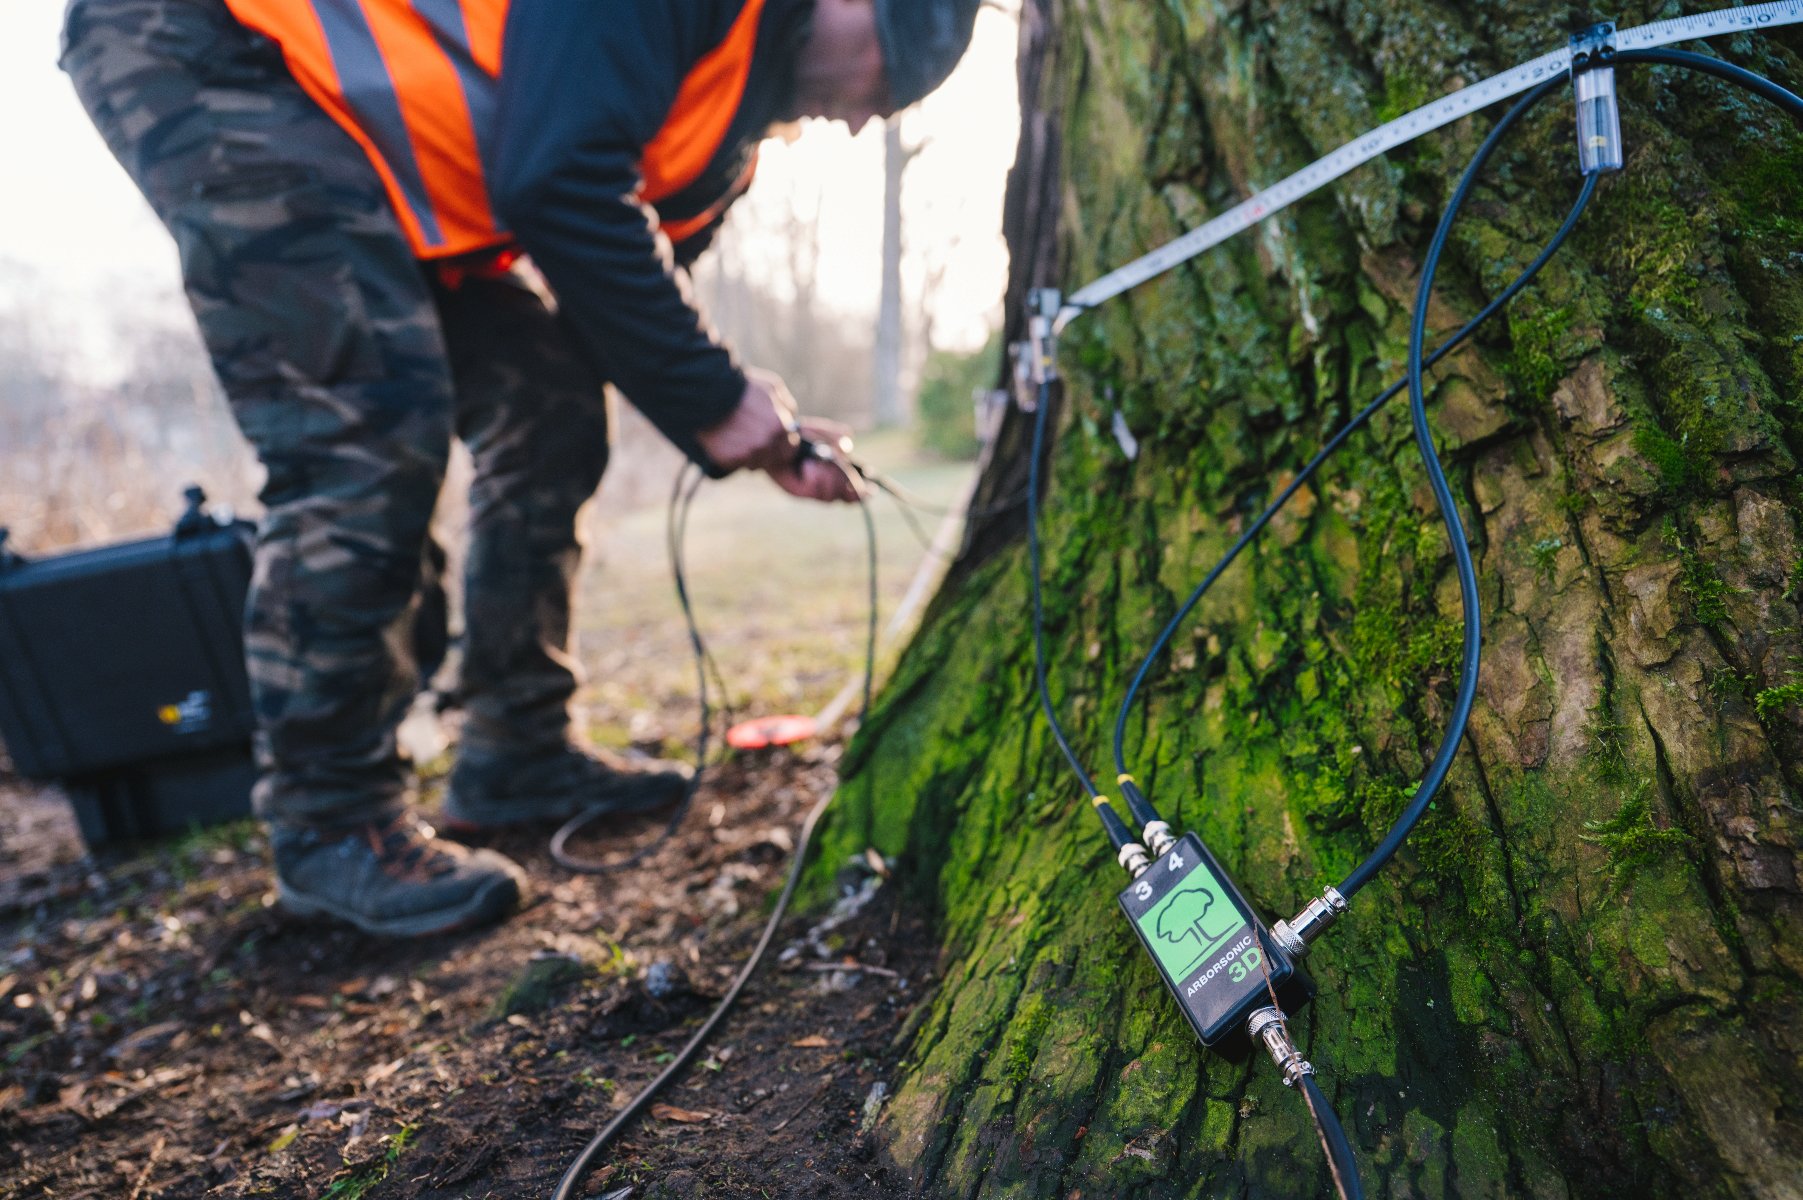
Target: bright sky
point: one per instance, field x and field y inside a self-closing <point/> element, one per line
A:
<point x="70" y="214"/>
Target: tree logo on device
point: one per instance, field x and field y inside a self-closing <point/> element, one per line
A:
<point x="1185" y="915"/>
<point x="1187" y="924"/>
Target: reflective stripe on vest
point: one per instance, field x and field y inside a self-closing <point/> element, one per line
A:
<point x="413" y="81"/>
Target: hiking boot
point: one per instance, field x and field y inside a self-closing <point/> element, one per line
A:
<point x="492" y="791"/>
<point x="393" y="878"/>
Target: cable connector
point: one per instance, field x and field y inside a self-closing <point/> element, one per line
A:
<point x="1158" y="838"/>
<point x="1134" y="859"/>
<point x="1295" y="934"/>
<point x="1599" y="113"/>
<point x="1043" y="305"/>
<point x="1268" y="1026"/>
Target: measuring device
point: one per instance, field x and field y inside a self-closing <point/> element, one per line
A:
<point x="1209" y="945"/>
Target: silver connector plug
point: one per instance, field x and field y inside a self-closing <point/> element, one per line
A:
<point x="1134" y="859"/>
<point x="1294" y="935"/>
<point x="1158" y="838"/>
<point x="1268" y="1026"/>
<point x="1042" y="339"/>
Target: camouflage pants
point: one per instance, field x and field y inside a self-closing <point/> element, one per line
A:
<point x="350" y="369"/>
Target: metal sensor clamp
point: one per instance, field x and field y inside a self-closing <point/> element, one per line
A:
<point x="1599" y="112"/>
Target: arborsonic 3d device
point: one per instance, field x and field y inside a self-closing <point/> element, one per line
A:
<point x="1214" y="953"/>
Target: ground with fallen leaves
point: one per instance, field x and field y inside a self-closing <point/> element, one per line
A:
<point x="166" y="1033"/>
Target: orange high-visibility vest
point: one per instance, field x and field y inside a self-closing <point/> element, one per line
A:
<point x="414" y="82"/>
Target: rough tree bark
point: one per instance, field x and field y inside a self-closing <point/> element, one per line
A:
<point x="1581" y="978"/>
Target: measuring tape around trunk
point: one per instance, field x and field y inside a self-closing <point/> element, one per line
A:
<point x="1407" y="128"/>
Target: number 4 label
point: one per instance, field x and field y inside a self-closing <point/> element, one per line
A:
<point x="1176" y="861"/>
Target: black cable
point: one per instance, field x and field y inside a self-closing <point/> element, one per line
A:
<point x="579" y="1167"/>
<point x="1462" y="560"/>
<point x="1714" y="66"/>
<point x="903" y="495"/>
<point x="902" y="506"/>
<point x="682" y="497"/>
<point x="1118" y="833"/>
<point x="1463" y="563"/>
<point x="1321" y="456"/>
<point x="1340" y="1163"/>
<point x="908" y="503"/>
<point x="1314" y="464"/>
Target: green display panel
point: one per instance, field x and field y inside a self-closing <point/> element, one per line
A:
<point x="1192" y="921"/>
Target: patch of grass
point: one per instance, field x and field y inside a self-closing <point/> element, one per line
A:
<point x="778" y="586"/>
<point x="1725" y="683"/>
<point x="362" y="1179"/>
<point x="1657" y="247"/>
<point x="1707" y="590"/>
<point x="1545" y="554"/>
<point x="1537" y="356"/>
<point x="1794" y="589"/>
<point x="1678" y="469"/>
<point x="1030" y="1026"/>
<point x="1608" y="742"/>
<point x="1768" y="701"/>
<point x="1631" y="839"/>
<point x="1765" y="187"/>
<point x="538" y="985"/>
<point x="18" y="1050"/>
<point x="1404" y="92"/>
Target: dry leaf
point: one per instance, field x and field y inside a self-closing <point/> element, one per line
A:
<point x="684" y="1116"/>
<point x="811" y="1042"/>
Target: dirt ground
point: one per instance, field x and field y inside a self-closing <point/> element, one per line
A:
<point x="166" y="1032"/>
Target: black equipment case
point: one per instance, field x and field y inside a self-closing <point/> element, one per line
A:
<point x="122" y="677"/>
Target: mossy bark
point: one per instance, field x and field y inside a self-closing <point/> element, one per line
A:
<point x="1582" y="976"/>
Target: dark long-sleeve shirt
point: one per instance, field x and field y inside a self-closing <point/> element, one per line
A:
<point x="584" y="87"/>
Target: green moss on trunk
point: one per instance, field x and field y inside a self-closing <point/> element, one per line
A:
<point x="1582" y="976"/>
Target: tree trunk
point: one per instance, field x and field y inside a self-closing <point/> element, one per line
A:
<point x="890" y="404"/>
<point x="1581" y="976"/>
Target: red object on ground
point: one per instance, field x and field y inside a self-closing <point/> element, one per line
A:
<point x="765" y="732"/>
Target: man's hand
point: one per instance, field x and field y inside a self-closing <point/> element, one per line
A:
<point x="763" y="433"/>
<point x="814" y="478"/>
